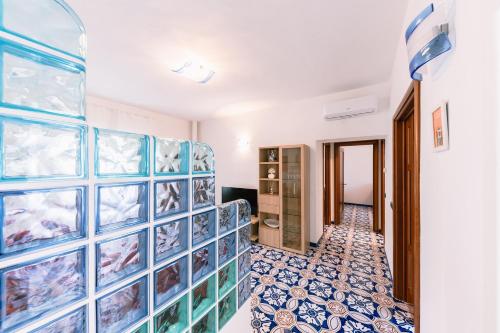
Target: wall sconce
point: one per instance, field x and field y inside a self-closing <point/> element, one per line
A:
<point x="243" y="144"/>
<point x="428" y="37"/>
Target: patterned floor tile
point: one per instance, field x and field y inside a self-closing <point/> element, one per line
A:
<point x="343" y="285"/>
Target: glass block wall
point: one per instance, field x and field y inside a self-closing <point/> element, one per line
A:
<point x="102" y="230"/>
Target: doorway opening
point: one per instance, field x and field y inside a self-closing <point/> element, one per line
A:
<point x="354" y="173"/>
<point x="406" y="200"/>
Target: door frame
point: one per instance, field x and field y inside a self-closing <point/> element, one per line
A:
<point x="410" y="103"/>
<point x="327" y="184"/>
<point x="378" y="179"/>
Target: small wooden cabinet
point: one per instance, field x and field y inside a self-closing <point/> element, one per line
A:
<point x="284" y="197"/>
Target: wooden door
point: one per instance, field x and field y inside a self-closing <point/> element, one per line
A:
<point x="406" y="201"/>
<point x="327" y="190"/>
<point x="342" y="184"/>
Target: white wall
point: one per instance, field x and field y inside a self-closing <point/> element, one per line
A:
<point x="109" y="114"/>
<point x="293" y="123"/>
<point x="458" y="254"/>
<point x="358" y="175"/>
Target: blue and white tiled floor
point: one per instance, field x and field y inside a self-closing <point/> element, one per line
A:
<point x="344" y="285"/>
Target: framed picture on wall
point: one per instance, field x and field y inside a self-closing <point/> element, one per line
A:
<point x="440" y="128"/>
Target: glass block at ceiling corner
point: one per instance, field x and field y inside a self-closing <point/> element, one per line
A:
<point x="203" y="261"/>
<point x="170" y="281"/>
<point x="171" y="157"/>
<point x="227" y="248"/>
<point x="120" y="154"/>
<point x="40" y="287"/>
<point x="171" y="238"/>
<point x="244" y="264"/>
<point x="35" y="150"/>
<point x="207" y="324"/>
<point x="174" y="319"/>
<point x="203" y="158"/>
<point x="121" y="205"/>
<point x="227" y="308"/>
<point x="244" y="234"/>
<point x="61" y="30"/>
<point x="203" y="297"/>
<point x="244" y="290"/>
<point x="119" y="258"/>
<point x="227" y="278"/>
<point x="74" y="322"/>
<point x="35" y="219"/>
<point x="122" y="308"/>
<point x="204" y="227"/>
<point x="36" y="81"/>
<point x="203" y="192"/>
<point x="143" y="329"/>
<point x="244" y="212"/>
<point x="171" y="197"/>
<point x="227" y="217"/>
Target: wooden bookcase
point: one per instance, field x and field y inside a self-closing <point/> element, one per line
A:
<point x="285" y="198"/>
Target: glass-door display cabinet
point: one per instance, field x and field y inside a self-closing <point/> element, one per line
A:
<point x="283" y="201"/>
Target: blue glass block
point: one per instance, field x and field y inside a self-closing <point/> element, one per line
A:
<point x="143" y="329"/>
<point x="204" y="226"/>
<point x="244" y="234"/>
<point x="207" y="324"/>
<point x="121" y="154"/>
<point x="35" y="150"/>
<point x="227" y="217"/>
<point x="203" y="192"/>
<point x="121" y="205"/>
<point x="227" y="248"/>
<point x="39" y="82"/>
<point x="227" y="278"/>
<point x="203" y="261"/>
<point x="244" y="290"/>
<point x="39" y="218"/>
<point x="174" y="319"/>
<point x="40" y="287"/>
<point x="171" y="280"/>
<point x="244" y="212"/>
<point x="62" y="29"/>
<point x="122" y="308"/>
<point x="244" y="264"/>
<point x="171" y="157"/>
<point x="121" y="257"/>
<point x="171" y="238"/>
<point x="227" y="308"/>
<point x="74" y="322"/>
<point x="171" y="197"/>
<point x="203" y="158"/>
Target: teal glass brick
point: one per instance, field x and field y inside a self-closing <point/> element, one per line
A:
<point x="203" y="296"/>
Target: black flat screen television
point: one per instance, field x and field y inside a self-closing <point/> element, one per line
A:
<point x="235" y="193"/>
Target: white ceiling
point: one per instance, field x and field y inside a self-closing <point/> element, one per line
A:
<point x="263" y="51"/>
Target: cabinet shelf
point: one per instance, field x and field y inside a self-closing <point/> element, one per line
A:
<point x="270" y="180"/>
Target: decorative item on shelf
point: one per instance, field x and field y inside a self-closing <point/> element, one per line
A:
<point x="271" y="173"/>
<point x="271" y="188"/>
<point x="429" y="36"/>
<point x="272" y="223"/>
<point x="272" y="155"/>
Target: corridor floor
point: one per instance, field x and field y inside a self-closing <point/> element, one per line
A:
<point x="344" y="285"/>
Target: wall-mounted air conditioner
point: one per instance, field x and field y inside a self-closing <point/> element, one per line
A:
<point x="350" y="108"/>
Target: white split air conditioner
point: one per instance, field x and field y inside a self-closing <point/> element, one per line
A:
<point x="350" y="108"/>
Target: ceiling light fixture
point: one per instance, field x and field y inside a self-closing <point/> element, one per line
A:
<point x="195" y="71"/>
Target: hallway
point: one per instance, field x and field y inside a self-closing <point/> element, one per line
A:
<point x="344" y="285"/>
